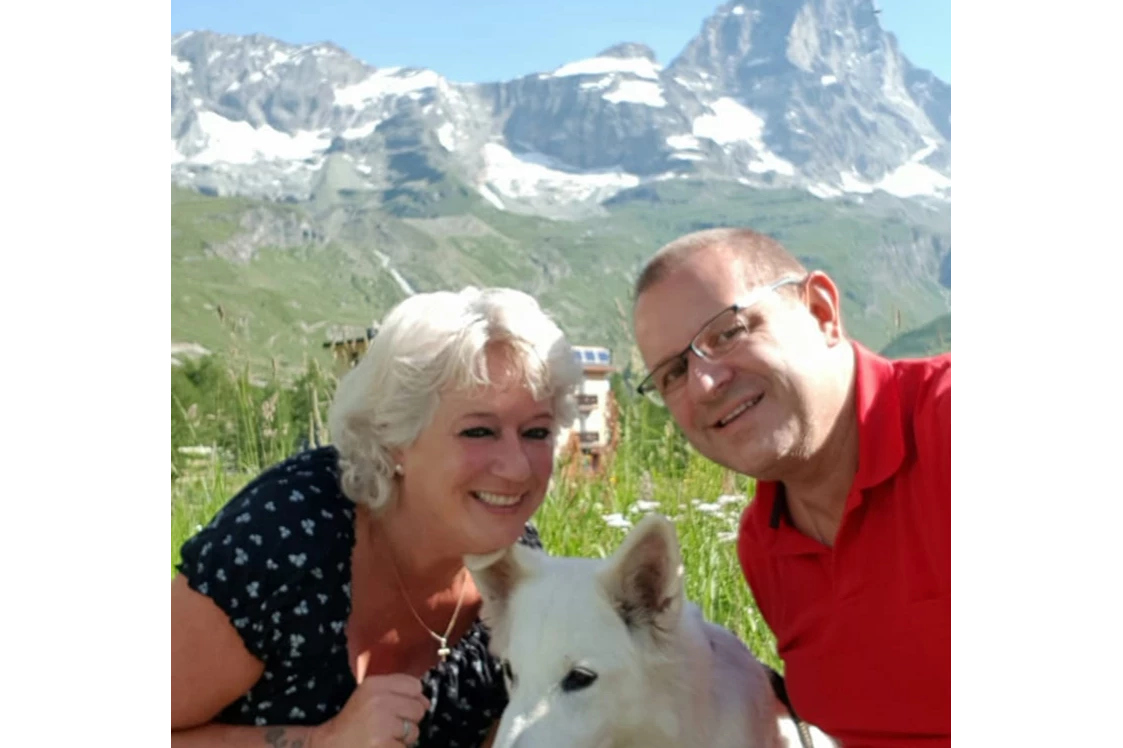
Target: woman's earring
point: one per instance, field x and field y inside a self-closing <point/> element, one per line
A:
<point x="398" y="469"/>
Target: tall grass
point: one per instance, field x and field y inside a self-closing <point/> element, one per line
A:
<point x="251" y="425"/>
<point x="218" y="407"/>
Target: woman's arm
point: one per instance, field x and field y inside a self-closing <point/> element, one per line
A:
<point x="210" y="669"/>
<point x="490" y="736"/>
<point x="235" y="736"/>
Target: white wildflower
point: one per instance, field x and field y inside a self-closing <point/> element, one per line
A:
<point x="644" y="505"/>
<point x="617" y="520"/>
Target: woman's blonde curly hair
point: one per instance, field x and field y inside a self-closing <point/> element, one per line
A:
<point x="428" y="344"/>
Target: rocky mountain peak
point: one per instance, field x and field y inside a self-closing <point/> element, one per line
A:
<point x="806" y="94"/>
<point x="629" y="50"/>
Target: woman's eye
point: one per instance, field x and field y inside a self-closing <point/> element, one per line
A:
<point x="478" y="432"/>
<point x="539" y="433"/>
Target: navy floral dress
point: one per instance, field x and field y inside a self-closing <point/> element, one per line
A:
<point x="276" y="558"/>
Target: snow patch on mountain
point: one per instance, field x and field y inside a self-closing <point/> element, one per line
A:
<point x="241" y="143"/>
<point x="385" y="82"/>
<point x="733" y="122"/>
<point x="533" y="175"/>
<point x="637" y="66"/>
<point x="637" y="92"/>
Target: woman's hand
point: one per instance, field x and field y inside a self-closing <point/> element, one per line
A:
<point x="383" y="712"/>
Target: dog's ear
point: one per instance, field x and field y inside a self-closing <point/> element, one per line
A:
<point x="644" y="577"/>
<point x="496" y="575"/>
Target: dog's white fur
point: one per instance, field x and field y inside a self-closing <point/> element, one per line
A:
<point x="664" y="677"/>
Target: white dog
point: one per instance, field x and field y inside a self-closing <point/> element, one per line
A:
<point x="609" y="653"/>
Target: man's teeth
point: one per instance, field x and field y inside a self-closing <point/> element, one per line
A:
<point x="740" y="410"/>
<point x="496" y="499"/>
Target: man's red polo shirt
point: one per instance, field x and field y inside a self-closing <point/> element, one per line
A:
<point x="864" y="628"/>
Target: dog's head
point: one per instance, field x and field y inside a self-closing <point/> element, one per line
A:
<point x="582" y="641"/>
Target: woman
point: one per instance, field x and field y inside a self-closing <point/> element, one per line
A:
<point x="327" y="603"/>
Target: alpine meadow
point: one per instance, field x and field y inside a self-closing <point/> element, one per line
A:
<point x="311" y="192"/>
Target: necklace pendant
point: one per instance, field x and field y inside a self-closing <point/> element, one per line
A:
<point x="444" y="652"/>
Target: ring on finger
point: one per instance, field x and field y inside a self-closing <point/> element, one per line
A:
<point x="405" y="731"/>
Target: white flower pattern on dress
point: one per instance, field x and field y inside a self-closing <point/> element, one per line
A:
<point x="293" y="615"/>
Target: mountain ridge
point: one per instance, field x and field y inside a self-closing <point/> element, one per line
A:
<point x="768" y="93"/>
<point x="311" y="191"/>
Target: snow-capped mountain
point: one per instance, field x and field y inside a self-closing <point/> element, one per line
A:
<point x="812" y="94"/>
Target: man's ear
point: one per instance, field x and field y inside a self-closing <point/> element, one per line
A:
<point x="824" y="304"/>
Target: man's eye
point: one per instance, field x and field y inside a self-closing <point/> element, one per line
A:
<point x="733" y="332"/>
<point x="673" y="371"/>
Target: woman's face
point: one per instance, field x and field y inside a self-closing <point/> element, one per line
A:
<point x="482" y="467"/>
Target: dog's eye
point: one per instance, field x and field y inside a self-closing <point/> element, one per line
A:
<point x="508" y="673"/>
<point x="578" y="678"/>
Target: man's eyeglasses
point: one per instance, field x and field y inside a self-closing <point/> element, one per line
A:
<point x="716" y="338"/>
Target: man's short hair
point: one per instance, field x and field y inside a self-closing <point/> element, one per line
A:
<point x="761" y="258"/>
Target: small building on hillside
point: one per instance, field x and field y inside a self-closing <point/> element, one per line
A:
<point x="348" y="345"/>
<point x="593" y="433"/>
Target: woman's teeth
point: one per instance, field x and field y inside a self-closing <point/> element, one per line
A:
<point x="495" y="499"/>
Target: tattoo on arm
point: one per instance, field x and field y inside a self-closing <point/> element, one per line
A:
<point x="275" y="736"/>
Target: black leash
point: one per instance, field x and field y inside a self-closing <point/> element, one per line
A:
<point x="782" y="694"/>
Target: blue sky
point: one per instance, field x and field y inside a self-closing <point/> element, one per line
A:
<point x="487" y="40"/>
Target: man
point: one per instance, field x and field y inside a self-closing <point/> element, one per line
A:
<point x="846" y="545"/>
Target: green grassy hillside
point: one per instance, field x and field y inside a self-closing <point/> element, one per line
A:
<point x="272" y="280"/>
<point x="926" y="340"/>
<point x="282" y="301"/>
